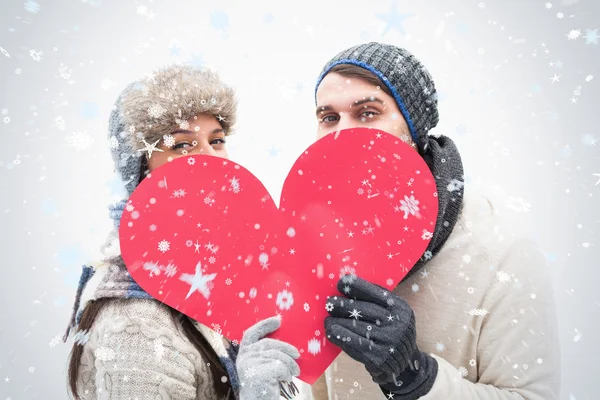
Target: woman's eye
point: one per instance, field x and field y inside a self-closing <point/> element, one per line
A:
<point x="217" y="141"/>
<point x="329" y="118"/>
<point x="182" y="145"/>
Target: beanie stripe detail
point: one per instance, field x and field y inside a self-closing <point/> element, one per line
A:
<point x="381" y="76"/>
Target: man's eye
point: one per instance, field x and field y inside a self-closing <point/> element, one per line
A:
<point x="217" y="141"/>
<point x="369" y="114"/>
<point x="329" y="118"/>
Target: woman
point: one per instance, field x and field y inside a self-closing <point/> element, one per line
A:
<point x="474" y="318"/>
<point x="128" y="345"/>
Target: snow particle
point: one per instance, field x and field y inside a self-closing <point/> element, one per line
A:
<point x="291" y="232"/>
<point x="256" y="226"/>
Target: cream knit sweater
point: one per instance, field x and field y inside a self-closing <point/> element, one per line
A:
<point x="485" y="310"/>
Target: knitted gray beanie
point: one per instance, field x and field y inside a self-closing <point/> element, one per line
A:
<point x="410" y="83"/>
<point x="414" y="92"/>
<point x="151" y="108"/>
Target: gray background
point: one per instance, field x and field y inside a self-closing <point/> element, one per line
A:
<point x="492" y="61"/>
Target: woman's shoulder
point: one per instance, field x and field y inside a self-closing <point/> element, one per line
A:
<point x="147" y="315"/>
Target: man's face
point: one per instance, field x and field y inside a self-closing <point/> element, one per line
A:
<point x="204" y="135"/>
<point x="344" y="103"/>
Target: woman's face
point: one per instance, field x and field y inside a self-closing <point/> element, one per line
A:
<point x="344" y="103"/>
<point x="204" y="135"/>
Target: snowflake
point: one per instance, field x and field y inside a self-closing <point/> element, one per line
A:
<point x="426" y="235"/>
<point x="106" y="84"/>
<point x="415" y="288"/>
<point x="589" y="140"/>
<point x="470" y="290"/>
<point x="472" y="363"/>
<point x="466" y="258"/>
<point x="113" y="143"/>
<point x="31" y="370"/>
<point x="314" y="346"/>
<point x="409" y="205"/>
<point x="170" y="270"/>
<point x="317" y="333"/>
<point x="217" y="329"/>
<point x="440" y="347"/>
<point x="81" y="337"/>
<point x="591" y="36"/>
<point x="183" y="124"/>
<point x="285" y="300"/>
<point x="427" y="255"/>
<point x="55" y="340"/>
<point x="463" y="372"/>
<point x="191" y="161"/>
<point x="306" y="307"/>
<point x="234" y="185"/>
<point x="153" y="267"/>
<point x="104" y="354"/>
<point x="18" y="71"/>
<point x="228" y="281"/>
<point x="481" y="5"/>
<point x="32" y="6"/>
<point x="548" y="5"/>
<point x="4" y="111"/>
<point x="331" y="275"/>
<point x="360" y="191"/>
<point x="156" y="111"/>
<point x="209" y="201"/>
<point x="249" y="373"/>
<point x="142" y="10"/>
<point x="518" y="204"/>
<point x="168" y="141"/>
<point x="212" y="260"/>
<point x="6" y="120"/>
<point x="129" y="207"/>
<point x="36" y="55"/>
<point x="235" y="343"/>
<point x="502" y="276"/>
<point x="189" y="243"/>
<point x="347" y="274"/>
<point x="479" y="312"/>
<point x="179" y="193"/>
<point x="574" y="34"/>
<point x="455" y="185"/>
<point x="163" y="246"/>
<point x="80" y="140"/>
<point x="159" y="349"/>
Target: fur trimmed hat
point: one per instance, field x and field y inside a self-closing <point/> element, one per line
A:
<point x="147" y="110"/>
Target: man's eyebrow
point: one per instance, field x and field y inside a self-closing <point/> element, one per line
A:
<point x="323" y="108"/>
<point x="355" y="104"/>
<point x="367" y="100"/>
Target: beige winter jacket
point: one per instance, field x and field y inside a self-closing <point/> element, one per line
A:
<point x="485" y="310"/>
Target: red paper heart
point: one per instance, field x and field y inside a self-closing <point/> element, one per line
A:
<point x="202" y="235"/>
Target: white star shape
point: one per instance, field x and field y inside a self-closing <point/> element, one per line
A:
<point x="220" y="118"/>
<point x="198" y="281"/>
<point x="555" y="78"/>
<point x="150" y="147"/>
<point x="355" y="314"/>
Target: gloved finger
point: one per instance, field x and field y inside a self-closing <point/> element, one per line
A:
<point x="360" y="289"/>
<point x="342" y="307"/>
<point x="367" y="330"/>
<point x="353" y="344"/>
<point x="276" y="357"/>
<point x="274" y="344"/>
<point x="260" y="330"/>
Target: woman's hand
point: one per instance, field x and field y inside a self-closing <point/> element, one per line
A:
<point x="262" y="363"/>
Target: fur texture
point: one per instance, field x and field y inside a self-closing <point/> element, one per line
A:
<point x="170" y="97"/>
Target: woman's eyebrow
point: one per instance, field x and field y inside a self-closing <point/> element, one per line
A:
<point x="187" y="131"/>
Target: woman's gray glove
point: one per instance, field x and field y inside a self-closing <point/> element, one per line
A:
<point x="263" y="364"/>
<point x="377" y="328"/>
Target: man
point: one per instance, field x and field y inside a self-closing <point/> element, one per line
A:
<point x="474" y="318"/>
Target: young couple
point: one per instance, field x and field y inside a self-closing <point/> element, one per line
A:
<point x="473" y="319"/>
